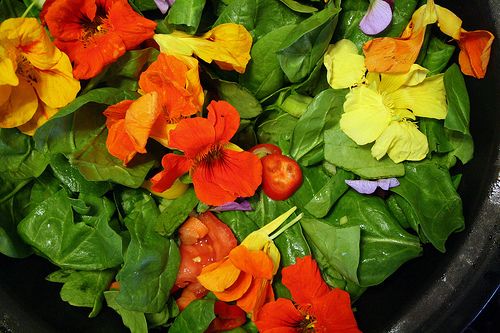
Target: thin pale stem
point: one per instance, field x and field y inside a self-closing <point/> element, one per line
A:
<point x="286" y="226"/>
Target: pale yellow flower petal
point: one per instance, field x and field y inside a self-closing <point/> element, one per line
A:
<point x="365" y="115"/>
<point x="391" y="81"/>
<point x="401" y="141"/>
<point x="41" y="116"/>
<point x="448" y="22"/>
<point x="20" y="107"/>
<point x="228" y="45"/>
<point x="344" y="66"/>
<point x="56" y="86"/>
<point x="424" y="16"/>
<point x="427" y="99"/>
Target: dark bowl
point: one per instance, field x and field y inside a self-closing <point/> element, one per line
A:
<point x="435" y="293"/>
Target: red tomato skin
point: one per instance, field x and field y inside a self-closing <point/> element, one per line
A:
<point x="264" y="149"/>
<point x="281" y="176"/>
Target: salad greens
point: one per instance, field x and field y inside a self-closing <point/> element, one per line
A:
<point x="65" y="198"/>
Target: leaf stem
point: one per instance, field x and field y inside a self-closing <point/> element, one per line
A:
<point x="28" y="9"/>
<point x="286" y="226"/>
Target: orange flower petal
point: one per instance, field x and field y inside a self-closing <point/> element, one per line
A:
<point x="227" y="317"/>
<point x="20" y="107"/>
<point x="41" y="116"/>
<point x="119" y="143"/>
<point x="174" y="167"/>
<point x="281" y="315"/>
<point x="140" y="118"/>
<point x="116" y="112"/>
<point x="237" y="290"/>
<point x="233" y="174"/>
<point x="193" y="136"/>
<point x="393" y="55"/>
<point x="255" y="297"/>
<point x="304" y="280"/>
<point x="256" y="263"/>
<point x="475" y="48"/>
<point x="225" y="120"/>
<point x="220" y="278"/>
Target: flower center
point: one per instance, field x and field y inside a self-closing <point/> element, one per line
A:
<point x="95" y="26"/>
<point x="211" y="156"/>
<point x="25" y="69"/>
<point x="307" y="325"/>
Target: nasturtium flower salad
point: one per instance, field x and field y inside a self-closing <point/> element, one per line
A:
<point x="235" y="165"/>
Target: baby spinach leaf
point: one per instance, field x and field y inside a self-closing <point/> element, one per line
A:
<point x="321" y="114"/>
<point x="299" y="7"/>
<point x="134" y="320"/>
<point x="301" y="50"/>
<point x="339" y="246"/>
<point x="195" y="318"/>
<point x="185" y="15"/>
<point x="341" y="151"/>
<point x="50" y="229"/>
<point x="239" y="97"/>
<point x="175" y="213"/>
<point x="276" y="127"/>
<point x="436" y="135"/>
<point x="437" y="56"/>
<point x="11" y="8"/>
<point x="150" y="265"/>
<point x="458" y="116"/>
<point x="43" y="187"/>
<point x="385" y="245"/>
<point x="264" y="75"/>
<point x="86" y="288"/>
<point x="143" y="5"/>
<point x="434" y="201"/>
<point x="73" y="179"/>
<point x="239" y="223"/>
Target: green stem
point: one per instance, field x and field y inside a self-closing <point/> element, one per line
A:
<point x="28" y="9"/>
<point x="288" y="225"/>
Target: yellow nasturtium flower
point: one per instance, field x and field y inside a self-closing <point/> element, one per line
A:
<point x="227" y="44"/>
<point x="382" y="108"/>
<point x="36" y="78"/>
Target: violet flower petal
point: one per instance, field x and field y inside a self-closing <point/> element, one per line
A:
<point x="370" y="186"/>
<point x="228" y="206"/>
<point x="164" y="5"/>
<point x="377" y="18"/>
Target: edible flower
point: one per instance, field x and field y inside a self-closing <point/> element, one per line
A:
<point x="220" y="172"/>
<point x="396" y="55"/>
<point x="246" y="274"/>
<point x="227" y="317"/>
<point x="370" y="186"/>
<point x="94" y="33"/>
<point x="315" y="307"/>
<point x="129" y="126"/>
<point x="176" y="80"/>
<point x="233" y="206"/>
<point x="227" y="44"/>
<point x="377" y="18"/>
<point x="35" y="76"/>
<point x="382" y="108"/>
<point x="164" y="5"/>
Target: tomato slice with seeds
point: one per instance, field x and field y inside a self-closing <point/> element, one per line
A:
<point x="264" y="149"/>
<point x="281" y="176"/>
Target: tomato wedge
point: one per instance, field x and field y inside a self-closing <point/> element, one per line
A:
<point x="281" y="176"/>
<point x="264" y="149"/>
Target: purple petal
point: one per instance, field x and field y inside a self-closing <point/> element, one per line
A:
<point x="164" y="5"/>
<point x="377" y="18"/>
<point x="370" y="186"/>
<point x="243" y="206"/>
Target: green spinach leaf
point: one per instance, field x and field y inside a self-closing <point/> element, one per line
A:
<point x="175" y="213"/>
<point x="134" y="320"/>
<point x="195" y="318"/>
<point x="185" y="15"/>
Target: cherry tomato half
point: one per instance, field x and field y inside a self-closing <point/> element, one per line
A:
<point x="264" y="149"/>
<point x="281" y="176"/>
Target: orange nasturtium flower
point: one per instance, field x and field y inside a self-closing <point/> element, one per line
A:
<point x="395" y="55"/>
<point x="172" y="90"/>
<point x="219" y="171"/>
<point x="94" y="33"/>
<point x="35" y="77"/>
<point x="315" y="307"/>
<point x="246" y="274"/>
<point x="228" y="45"/>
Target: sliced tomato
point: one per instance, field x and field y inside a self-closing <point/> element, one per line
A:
<point x="227" y="317"/>
<point x="281" y="176"/>
<point x="264" y="149"/>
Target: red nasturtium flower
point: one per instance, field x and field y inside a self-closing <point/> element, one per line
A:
<point x="94" y="33"/>
<point x="219" y="174"/>
<point x="315" y="307"/>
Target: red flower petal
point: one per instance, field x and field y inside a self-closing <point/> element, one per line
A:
<point x="174" y="167"/>
<point x="193" y="136"/>
<point x="280" y="314"/>
<point x="226" y="177"/>
<point x="304" y="280"/>
<point x="333" y="312"/>
<point x="225" y="119"/>
<point x="228" y="317"/>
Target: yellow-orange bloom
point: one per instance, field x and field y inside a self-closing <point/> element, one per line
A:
<point x="35" y="77"/>
<point x="396" y="55"/>
<point x="228" y="45"/>
<point x="246" y="274"/>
